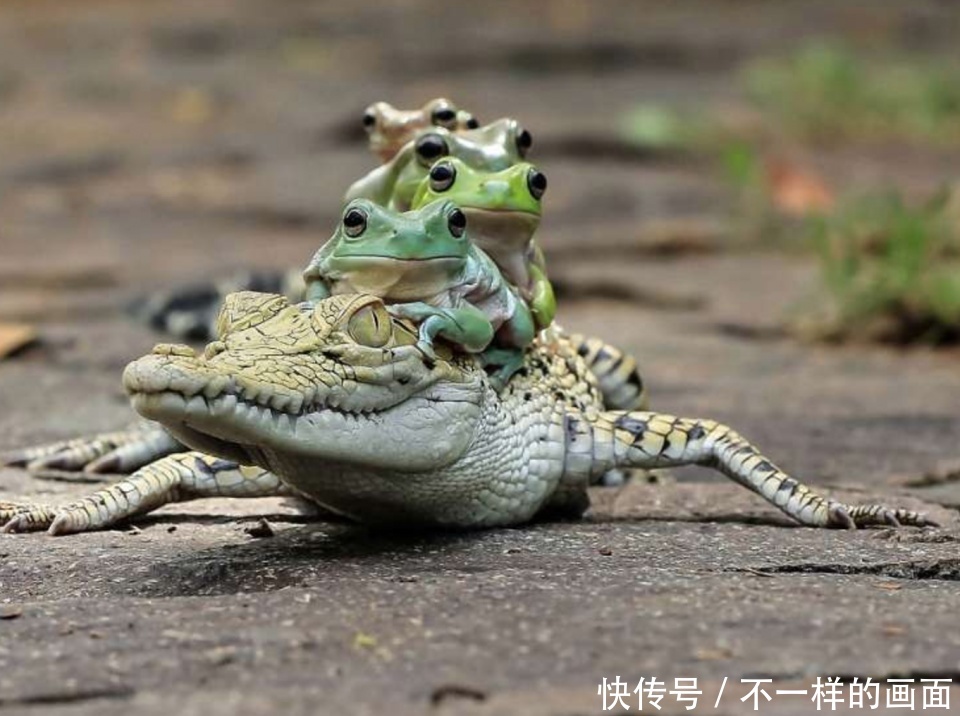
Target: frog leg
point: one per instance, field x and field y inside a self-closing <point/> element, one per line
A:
<point x="465" y="326"/>
<point x="317" y="289"/>
<point x="519" y="330"/>
<point x="507" y="360"/>
<point x="539" y="292"/>
<point x="543" y="302"/>
<point x="510" y="342"/>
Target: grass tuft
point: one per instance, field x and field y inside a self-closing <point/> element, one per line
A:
<point x="890" y="270"/>
<point x="826" y="92"/>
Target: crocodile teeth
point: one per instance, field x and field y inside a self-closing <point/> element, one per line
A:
<point x="250" y="392"/>
<point x="217" y="385"/>
<point x="279" y="402"/>
<point x="185" y="385"/>
<point x="295" y="404"/>
<point x="227" y="404"/>
<point x="196" y="405"/>
<point x="264" y="395"/>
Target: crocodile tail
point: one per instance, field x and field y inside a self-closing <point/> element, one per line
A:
<point x="617" y="373"/>
<point x="190" y="312"/>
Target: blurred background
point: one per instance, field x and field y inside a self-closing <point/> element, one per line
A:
<point x="736" y="187"/>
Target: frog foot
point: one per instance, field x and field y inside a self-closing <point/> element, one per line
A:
<point x="509" y="362"/>
<point x="425" y="346"/>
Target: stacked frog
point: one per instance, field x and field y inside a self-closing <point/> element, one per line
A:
<point x="443" y="232"/>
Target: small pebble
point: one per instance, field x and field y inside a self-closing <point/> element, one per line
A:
<point x="10" y="611"/>
<point x="260" y="530"/>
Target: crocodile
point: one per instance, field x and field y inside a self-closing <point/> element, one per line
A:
<point x="333" y="401"/>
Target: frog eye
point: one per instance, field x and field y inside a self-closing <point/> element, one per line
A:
<point x="473" y="123"/>
<point x="444" y="116"/>
<point x="369" y="121"/>
<point x="524" y="142"/>
<point x="536" y="183"/>
<point x="442" y="176"/>
<point x="354" y="222"/>
<point x="371" y="326"/>
<point x="429" y="148"/>
<point x="457" y="223"/>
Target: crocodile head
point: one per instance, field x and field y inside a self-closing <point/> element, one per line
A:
<point x="339" y="381"/>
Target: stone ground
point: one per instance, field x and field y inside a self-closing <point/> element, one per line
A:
<point x="149" y="144"/>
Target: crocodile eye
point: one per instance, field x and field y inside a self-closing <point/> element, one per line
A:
<point x="536" y="183"/>
<point x="442" y="176"/>
<point x="354" y="222"/>
<point x="429" y="148"/>
<point x="473" y="123"/>
<point x="457" y="223"/>
<point x="444" y="116"/>
<point x="524" y="142"/>
<point x="371" y="326"/>
<point x="369" y="121"/>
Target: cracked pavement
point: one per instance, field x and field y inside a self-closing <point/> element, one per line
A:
<point x="248" y="115"/>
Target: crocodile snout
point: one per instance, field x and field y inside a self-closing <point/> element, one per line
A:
<point x="158" y="373"/>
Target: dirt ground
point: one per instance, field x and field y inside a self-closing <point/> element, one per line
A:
<point x="149" y="144"/>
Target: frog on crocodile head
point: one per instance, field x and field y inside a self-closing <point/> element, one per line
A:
<point x="492" y="147"/>
<point x="389" y="128"/>
<point x="424" y="266"/>
<point x="503" y="211"/>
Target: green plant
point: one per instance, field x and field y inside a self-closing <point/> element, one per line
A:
<point x="891" y="271"/>
<point x="826" y="92"/>
<point x="753" y="217"/>
<point x="660" y="127"/>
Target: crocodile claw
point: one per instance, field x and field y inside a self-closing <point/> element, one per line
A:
<point x="854" y="516"/>
<point x="25" y="517"/>
<point x="107" y="453"/>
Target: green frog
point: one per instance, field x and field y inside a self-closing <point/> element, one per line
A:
<point x="492" y="147"/>
<point x="424" y="266"/>
<point x="503" y="212"/>
<point x="389" y="128"/>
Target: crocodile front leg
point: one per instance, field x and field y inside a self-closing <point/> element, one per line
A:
<point x="651" y="440"/>
<point x="117" y="452"/>
<point x="176" y="478"/>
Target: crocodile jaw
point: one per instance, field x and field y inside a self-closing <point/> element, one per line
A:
<point x="422" y="433"/>
<point x="370" y="425"/>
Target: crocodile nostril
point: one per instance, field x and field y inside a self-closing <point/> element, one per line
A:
<point x="214" y="349"/>
<point x="174" y="349"/>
